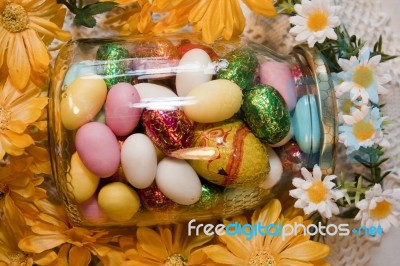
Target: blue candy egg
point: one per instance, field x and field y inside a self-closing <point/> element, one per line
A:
<point x="306" y="124"/>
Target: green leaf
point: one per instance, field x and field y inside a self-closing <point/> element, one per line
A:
<point x="358" y="193"/>
<point x="85" y="20"/>
<point x="99" y="7"/>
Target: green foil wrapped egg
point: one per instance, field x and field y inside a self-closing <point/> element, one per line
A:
<point x="266" y="113"/>
<point x="113" y="63"/>
<point x="242" y="159"/>
<point x="242" y="68"/>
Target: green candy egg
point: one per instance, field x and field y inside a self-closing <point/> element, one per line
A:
<point x="114" y="63"/>
<point x="266" y="113"/>
<point x="242" y="159"/>
<point x="241" y="69"/>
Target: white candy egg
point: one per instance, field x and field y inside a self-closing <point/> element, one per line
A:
<point x="139" y="160"/>
<point x="178" y="181"/>
<point x="149" y="90"/>
<point x="275" y="172"/>
<point x="192" y="71"/>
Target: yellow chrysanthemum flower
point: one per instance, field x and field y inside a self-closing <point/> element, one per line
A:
<point x="214" y="18"/>
<point x="25" y="29"/>
<point x="18" y="111"/>
<point x="10" y="234"/>
<point x="265" y="249"/>
<point x="168" y="245"/>
<point x="76" y="244"/>
<point x="19" y="187"/>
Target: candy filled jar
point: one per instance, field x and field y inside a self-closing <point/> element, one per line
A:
<point x="160" y="129"/>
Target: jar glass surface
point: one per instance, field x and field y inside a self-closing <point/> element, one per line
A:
<point x="159" y="129"/>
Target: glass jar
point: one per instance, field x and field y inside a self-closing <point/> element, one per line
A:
<point x="160" y="129"/>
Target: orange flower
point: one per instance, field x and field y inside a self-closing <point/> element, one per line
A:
<point x="214" y="18"/>
<point x="19" y="187"/>
<point x="76" y="244"/>
<point x="25" y="29"/>
<point x="11" y="231"/>
<point x="295" y="250"/>
<point x="18" y="111"/>
<point x="167" y="245"/>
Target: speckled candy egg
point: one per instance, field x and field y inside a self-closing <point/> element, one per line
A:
<point x="266" y="113"/>
<point x="242" y="160"/>
<point x="292" y="158"/>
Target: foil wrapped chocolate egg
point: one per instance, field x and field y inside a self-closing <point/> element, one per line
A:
<point x="170" y="130"/>
<point x="156" y="54"/>
<point x="292" y="158"/>
<point x="242" y="68"/>
<point x="242" y="159"/>
<point x="113" y="63"/>
<point x="153" y="199"/>
<point x="266" y="113"/>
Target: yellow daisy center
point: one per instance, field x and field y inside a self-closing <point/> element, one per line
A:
<point x="18" y="258"/>
<point x="262" y="258"/>
<point x="382" y="210"/>
<point x="175" y="260"/>
<point x="363" y="76"/>
<point x="318" y="20"/>
<point x="5" y="116"/>
<point x="317" y="192"/>
<point x="14" y="18"/>
<point x="363" y="130"/>
<point x="346" y="106"/>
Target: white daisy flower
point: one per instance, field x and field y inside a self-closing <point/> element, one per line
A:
<point x="380" y="208"/>
<point x="363" y="77"/>
<point x="314" y="21"/>
<point x="362" y="130"/>
<point x="350" y="110"/>
<point x="315" y="194"/>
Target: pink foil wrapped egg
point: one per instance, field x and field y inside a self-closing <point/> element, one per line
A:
<point x="120" y="116"/>
<point x="170" y="130"/>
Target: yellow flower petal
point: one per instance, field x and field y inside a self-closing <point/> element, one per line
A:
<point x="294" y="262"/>
<point x="18" y="140"/>
<point x="79" y="256"/>
<point x="45" y="258"/>
<point x="4" y="38"/>
<point x="221" y="255"/>
<point x="213" y="22"/>
<point x="306" y="251"/>
<point x="150" y="245"/>
<point x="37" y="244"/>
<point x="37" y="52"/>
<point x="198" y="12"/>
<point x="17" y="59"/>
<point x="264" y="8"/>
<point x="48" y="28"/>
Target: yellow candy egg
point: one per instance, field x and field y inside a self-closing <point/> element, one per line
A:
<point x="82" y="183"/>
<point x="118" y="201"/>
<point x="82" y="100"/>
<point x="216" y="100"/>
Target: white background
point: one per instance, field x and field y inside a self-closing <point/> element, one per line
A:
<point x="388" y="252"/>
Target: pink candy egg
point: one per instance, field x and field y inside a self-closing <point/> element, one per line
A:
<point x="279" y="76"/>
<point x="120" y="116"/>
<point x="98" y="148"/>
<point x="91" y="211"/>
